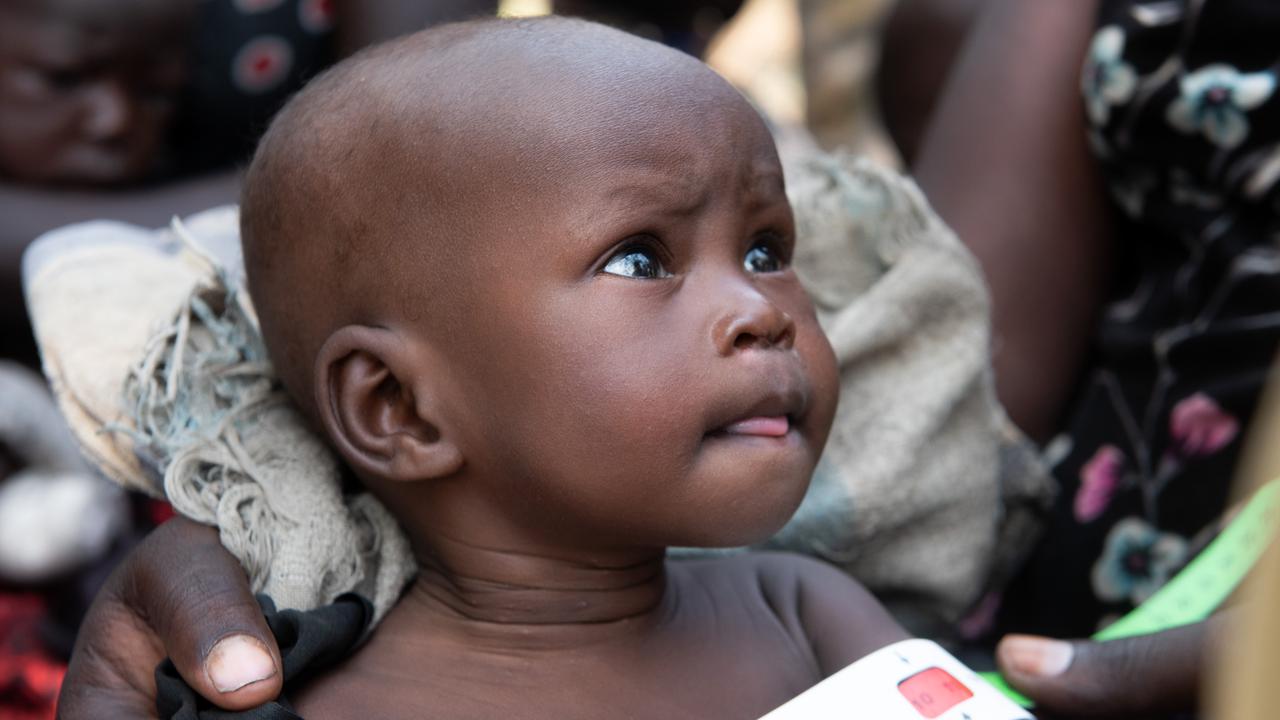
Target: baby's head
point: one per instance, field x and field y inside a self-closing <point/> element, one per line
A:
<point x="87" y="87"/>
<point x="532" y="280"/>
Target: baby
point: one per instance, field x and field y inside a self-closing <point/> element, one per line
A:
<point x="88" y="87"/>
<point x="531" y="279"/>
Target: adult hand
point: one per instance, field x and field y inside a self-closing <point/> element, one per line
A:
<point x="178" y="594"/>
<point x="1127" y="678"/>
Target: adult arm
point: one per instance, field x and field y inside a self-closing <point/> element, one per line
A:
<point x="1005" y="162"/>
<point x="920" y="42"/>
<point x="178" y="594"/>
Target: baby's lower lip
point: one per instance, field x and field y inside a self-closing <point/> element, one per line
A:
<point x="776" y="426"/>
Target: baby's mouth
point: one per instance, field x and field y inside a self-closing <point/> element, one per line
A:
<point x="761" y="426"/>
<point x="774" y="414"/>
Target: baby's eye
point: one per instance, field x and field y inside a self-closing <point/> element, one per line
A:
<point x="763" y="258"/>
<point x="636" y="262"/>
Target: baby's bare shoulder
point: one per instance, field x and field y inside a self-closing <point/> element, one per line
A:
<point x="842" y="621"/>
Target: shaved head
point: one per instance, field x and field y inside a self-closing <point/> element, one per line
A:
<point x="364" y="200"/>
<point x="547" y="264"/>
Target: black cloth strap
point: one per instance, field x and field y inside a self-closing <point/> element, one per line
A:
<point x="309" y="642"/>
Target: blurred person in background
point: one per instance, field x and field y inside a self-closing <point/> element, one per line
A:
<point x="89" y="88"/>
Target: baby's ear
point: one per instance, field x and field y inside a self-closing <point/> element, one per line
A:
<point x="376" y="409"/>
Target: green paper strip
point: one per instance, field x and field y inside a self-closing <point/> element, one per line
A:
<point x="1193" y="594"/>
<point x="998" y="682"/>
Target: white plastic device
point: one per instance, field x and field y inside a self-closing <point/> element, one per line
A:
<point x="908" y="680"/>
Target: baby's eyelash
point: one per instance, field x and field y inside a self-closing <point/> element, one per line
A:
<point x="639" y="258"/>
<point x="781" y="244"/>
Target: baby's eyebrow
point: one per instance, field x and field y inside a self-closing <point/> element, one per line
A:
<point x="676" y="196"/>
<point x="764" y="186"/>
<point x="684" y="196"/>
<point x="766" y="181"/>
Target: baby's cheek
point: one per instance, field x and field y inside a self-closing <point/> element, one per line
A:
<point x="824" y="376"/>
<point x="591" y="398"/>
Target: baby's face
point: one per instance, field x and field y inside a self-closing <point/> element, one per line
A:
<point x="640" y="364"/>
<point x="86" y="97"/>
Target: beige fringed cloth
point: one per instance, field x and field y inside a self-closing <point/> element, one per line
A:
<point x="154" y="357"/>
<point x="924" y="494"/>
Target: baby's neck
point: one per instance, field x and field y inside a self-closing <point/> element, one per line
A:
<point x="552" y="597"/>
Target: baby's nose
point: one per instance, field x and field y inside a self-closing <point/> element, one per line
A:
<point x="752" y="320"/>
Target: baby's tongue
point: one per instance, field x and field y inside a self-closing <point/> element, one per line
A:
<point x="765" y="426"/>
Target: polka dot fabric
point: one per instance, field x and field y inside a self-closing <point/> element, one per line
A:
<point x="248" y="57"/>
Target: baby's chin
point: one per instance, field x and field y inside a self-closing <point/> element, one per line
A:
<point x="747" y="519"/>
<point x="746" y="491"/>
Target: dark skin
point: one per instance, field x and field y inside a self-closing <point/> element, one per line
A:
<point x="921" y="41"/>
<point x="690" y="654"/>
<point x="178" y="595"/>
<point x="1015" y="179"/>
<point x="555" y="353"/>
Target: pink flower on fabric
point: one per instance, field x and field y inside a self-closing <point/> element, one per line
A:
<point x="1199" y="427"/>
<point x="1099" y="479"/>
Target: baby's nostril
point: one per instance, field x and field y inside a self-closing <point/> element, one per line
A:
<point x="788" y="336"/>
<point x="785" y="336"/>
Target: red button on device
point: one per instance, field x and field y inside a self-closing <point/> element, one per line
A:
<point x="933" y="692"/>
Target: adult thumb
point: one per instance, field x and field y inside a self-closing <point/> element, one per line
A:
<point x="199" y="602"/>
<point x="1129" y="677"/>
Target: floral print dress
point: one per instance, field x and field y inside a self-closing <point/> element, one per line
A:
<point x="1184" y="115"/>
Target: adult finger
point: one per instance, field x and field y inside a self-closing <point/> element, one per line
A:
<point x="178" y="594"/>
<point x="112" y="668"/>
<point x="1130" y="677"/>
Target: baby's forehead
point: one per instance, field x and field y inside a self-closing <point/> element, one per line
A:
<point x="531" y="129"/>
<point x="440" y="119"/>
